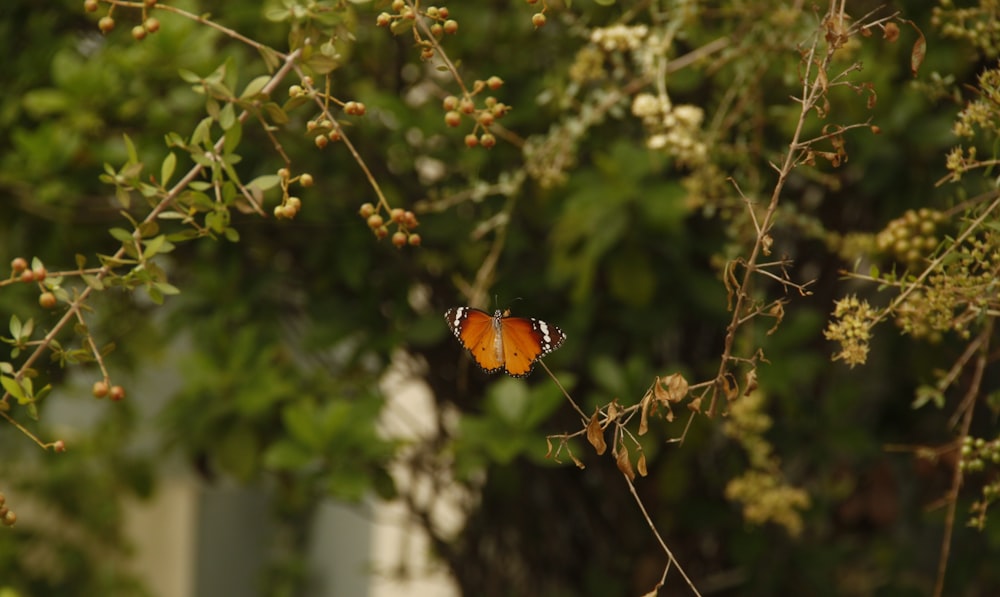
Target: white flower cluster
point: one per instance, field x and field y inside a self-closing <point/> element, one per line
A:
<point x="673" y="129"/>
<point x="619" y="37"/>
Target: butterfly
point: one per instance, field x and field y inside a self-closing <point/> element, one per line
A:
<point x="500" y="342"/>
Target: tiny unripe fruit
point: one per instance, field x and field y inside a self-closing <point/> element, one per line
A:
<point x="311" y="125"/>
<point x="538" y="20"/>
<point x="437" y="30"/>
<point x="90" y="5"/>
<point x="40" y="274"/>
<point x="321" y="141"/>
<point x="399" y="239"/>
<point x="375" y="221"/>
<point x="47" y="300"/>
<point x="383" y="19"/>
<point x="284" y="173"/>
<point x="453" y="118"/>
<point x="432" y="12"/>
<point x="152" y="24"/>
<point x="366" y="210"/>
<point x="100" y="389"/>
<point x="485" y="118"/>
<point x="471" y="140"/>
<point x="451" y="26"/>
<point x="397" y="5"/>
<point x="138" y="33"/>
<point x="294" y="203"/>
<point x="381" y="232"/>
<point x="450" y="103"/>
<point x="410" y="220"/>
<point x="295" y="91"/>
<point x="19" y="264"/>
<point x="27" y="276"/>
<point x="334" y="135"/>
<point x="494" y="82"/>
<point x="443" y="12"/>
<point x="426" y="53"/>
<point x="116" y="393"/>
<point x="106" y="24"/>
<point x="10" y="518"/>
<point x="306" y="180"/>
<point x="59" y="446"/>
<point x="414" y="240"/>
<point x="466" y="106"/>
<point x="279" y="211"/>
<point x="396" y="214"/>
<point x="488" y="140"/>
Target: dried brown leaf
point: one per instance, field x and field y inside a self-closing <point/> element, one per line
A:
<point x="644" y="413"/>
<point x="751" y="381"/>
<point x="919" y="51"/>
<point x="595" y="435"/>
<point x="624" y="464"/>
<point x="640" y="465"/>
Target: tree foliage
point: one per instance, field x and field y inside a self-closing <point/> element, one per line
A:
<point x="284" y="198"/>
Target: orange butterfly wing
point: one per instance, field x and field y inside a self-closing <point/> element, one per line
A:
<point x="477" y="333"/>
<point x="500" y="342"/>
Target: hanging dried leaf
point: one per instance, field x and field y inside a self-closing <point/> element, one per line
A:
<point x="729" y="387"/>
<point x="624" y="464"/>
<point x="595" y="435"/>
<point x="644" y="413"/>
<point x="640" y="465"/>
<point x="579" y="464"/>
<point x="672" y="388"/>
<point x="695" y="405"/>
<point x="919" y="51"/>
<point x="548" y="444"/>
<point x="613" y="410"/>
<point x="751" y="381"/>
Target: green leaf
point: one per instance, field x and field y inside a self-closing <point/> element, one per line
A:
<point x="12" y="387"/>
<point x="167" y="168"/>
<point x="15" y="327"/>
<point x="133" y="155"/>
<point x="287" y="455"/>
<point x="234" y="134"/>
<point x="166" y="288"/>
<point x="232" y="235"/>
<point x="265" y="182"/>
<point x="227" y="117"/>
<point x="254" y="87"/>
<point x="122" y="235"/>
<point x="188" y="76"/>
<point x="153" y="246"/>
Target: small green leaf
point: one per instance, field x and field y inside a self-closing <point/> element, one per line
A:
<point x="15" y="327"/>
<point x="227" y="117"/>
<point x="265" y="182"/>
<point x="873" y="272"/>
<point x="167" y="168"/>
<point x="13" y="388"/>
<point x="166" y="288"/>
<point x="93" y="282"/>
<point x="133" y="155"/>
<point x="121" y="235"/>
<point x="232" y="235"/>
<point x="254" y="87"/>
<point x="188" y="76"/>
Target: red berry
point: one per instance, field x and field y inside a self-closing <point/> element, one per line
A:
<point x="366" y="210"/>
<point x="381" y="232"/>
<point x="19" y="264"/>
<point x="399" y="239"/>
<point x="443" y="12"/>
<point x="27" y="276"/>
<point x="284" y="173"/>
<point x="139" y="32"/>
<point x="90" y="5"/>
<point x="116" y="393"/>
<point x="375" y="221"/>
<point x="383" y="19"/>
<point x="494" y="82"/>
<point x="59" y="446"/>
<point x="306" y="180"/>
<point x="488" y="140"/>
<point x="321" y="141"/>
<point x="450" y="103"/>
<point x="100" y="389"/>
<point x="40" y="273"/>
<point x="152" y="24"/>
<point x="414" y="240"/>
<point x="334" y="135"/>
<point x="453" y="118"/>
<point x="451" y="26"/>
<point x="466" y="106"/>
<point x="471" y="140"/>
<point x="485" y="118"/>
<point x="538" y="20"/>
<point x="396" y="214"/>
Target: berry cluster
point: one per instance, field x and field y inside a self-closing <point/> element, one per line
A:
<point x="325" y="129"/>
<point x="404" y="220"/>
<point x="7" y="516"/>
<point x="102" y="389"/>
<point x="912" y="237"/>
<point x="290" y="204"/>
<point x="19" y="270"/>
<point x="405" y="15"/>
<point x="458" y="108"/>
<point x="107" y="23"/>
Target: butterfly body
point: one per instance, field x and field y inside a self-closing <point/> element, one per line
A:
<point x="500" y="342"/>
